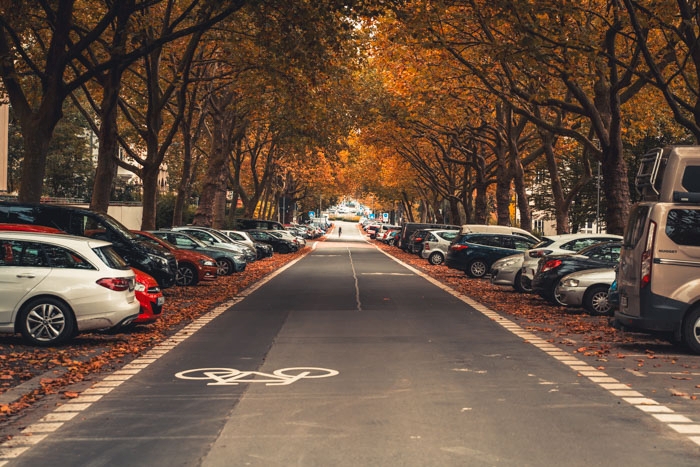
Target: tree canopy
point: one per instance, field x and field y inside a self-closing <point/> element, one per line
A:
<point x="457" y="111"/>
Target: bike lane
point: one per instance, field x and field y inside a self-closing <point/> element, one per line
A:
<point x="403" y="374"/>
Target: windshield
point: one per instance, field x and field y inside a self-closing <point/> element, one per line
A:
<point x="115" y="225"/>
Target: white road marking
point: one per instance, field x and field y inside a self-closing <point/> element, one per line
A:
<point x="612" y="385"/>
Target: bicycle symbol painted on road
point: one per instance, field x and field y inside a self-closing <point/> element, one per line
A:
<point x="232" y="377"/>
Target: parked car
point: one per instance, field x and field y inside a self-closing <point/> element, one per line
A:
<point x="149" y="296"/>
<point x="659" y="274"/>
<point x="414" y="244"/>
<point x="383" y="228"/>
<point x="227" y="261"/>
<point x="279" y="245"/>
<point x="192" y="266"/>
<point x="409" y="227"/>
<point x="263" y="250"/>
<point x="587" y="289"/>
<point x="436" y="244"/>
<point x="55" y="286"/>
<point x="475" y="253"/>
<point x="155" y="261"/>
<point x="508" y="271"/>
<point x="552" y="268"/>
<point x="286" y="234"/>
<point x="390" y="236"/>
<point x="213" y="237"/>
<point x="552" y="245"/>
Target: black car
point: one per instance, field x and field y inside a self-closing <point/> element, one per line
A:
<point x="279" y="245"/>
<point x="552" y="268"/>
<point x="474" y="253"/>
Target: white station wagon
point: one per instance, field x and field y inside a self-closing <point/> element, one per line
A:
<point x="53" y="286"/>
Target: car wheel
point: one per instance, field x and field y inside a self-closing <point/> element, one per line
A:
<point x="46" y="321"/>
<point x="690" y="332"/>
<point x="556" y="298"/>
<point x="224" y="267"/>
<point x="186" y="275"/>
<point x="436" y="258"/>
<point x="477" y="268"/>
<point x="518" y="282"/>
<point x="595" y="300"/>
<point x="525" y="283"/>
<point x="284" y="249"/>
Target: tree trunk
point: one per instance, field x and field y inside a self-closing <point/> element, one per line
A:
<point x="36" y="136"/>
<point x="149" y="175"/>
<point x="108" y="149"/>
<point x="615" y="189"/>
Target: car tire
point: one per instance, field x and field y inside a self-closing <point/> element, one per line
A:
<point x="436" y="258"/>
<point x="518" y="283"/>
<point x="595" y="300"/>
<point x="477" y="268"/>
<point x="46" y="321"/>
<point x="525" y="284"/>
<point x="186" y="275"/>
<point x="224" y="267"/>
<point x="690" y="331"/>
<point x="551" y="295"/>
<point x="284" y="249"/>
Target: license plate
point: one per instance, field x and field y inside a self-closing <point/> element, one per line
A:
<point x="160" y="301"/>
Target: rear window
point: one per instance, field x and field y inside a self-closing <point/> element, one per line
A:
<point x="488" y="240"/>
<point x="691" y="179"/>
<point x="683" y="225"/>
<point x="635" y="225"/>
<point x="110" y="257"/>
<point x="449" y="236"/>
<point x="543" y="243"/>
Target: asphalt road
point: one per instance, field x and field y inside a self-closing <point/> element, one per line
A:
<point x="348" y="358"/>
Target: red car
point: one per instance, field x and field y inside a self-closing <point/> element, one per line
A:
<point x="150" y="297"/>
<point x="192" y="266"/>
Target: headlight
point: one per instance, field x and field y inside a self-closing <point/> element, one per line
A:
<point x="206" y="262"/>
<point x="158" y="259"/>
<point x="570" y="283"/>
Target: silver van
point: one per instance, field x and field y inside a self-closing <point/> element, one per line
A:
<point x="659" y="274"/>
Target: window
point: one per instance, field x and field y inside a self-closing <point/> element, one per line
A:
<point x="635" y="226"/>
<point x="691" y="179"/>
<point x="449" y="236"/>
<point x="60" y="257"/>
<point x="682" y="226"/>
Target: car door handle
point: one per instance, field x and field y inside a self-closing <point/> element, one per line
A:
<point x="27" y="275"/>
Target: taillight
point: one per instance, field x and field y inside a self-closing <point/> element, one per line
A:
<point x="116" y="283"/>
<point x="426" y="247"/>
<point x="551" y="264"/>
<point x="647" y="257"/>
<point x="458" y="247"/>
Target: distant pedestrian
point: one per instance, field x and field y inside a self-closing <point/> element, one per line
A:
<point x="340" y="231"/>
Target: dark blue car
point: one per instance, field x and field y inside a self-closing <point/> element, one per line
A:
<point x="474" y="253"/>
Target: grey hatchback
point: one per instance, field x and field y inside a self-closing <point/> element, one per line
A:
<point x="474" y="253"/>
